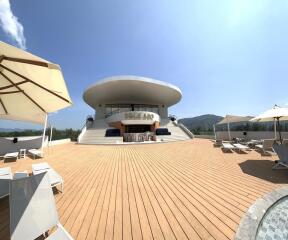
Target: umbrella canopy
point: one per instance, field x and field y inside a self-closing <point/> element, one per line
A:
<point x="274" y="114"/>
<point x="30" y="87"/>
<point x="233" y="119"/>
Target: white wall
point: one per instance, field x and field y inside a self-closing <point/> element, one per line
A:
<point x="163" y="111"/>
<point x="7" y="145"/>
<point x="100" y="112"/>
<point x="57" y="142"/>
<point x="250" y="135"/>
<point x="205" y="136"/>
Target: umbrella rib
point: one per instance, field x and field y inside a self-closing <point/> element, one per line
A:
<point x="38" y="85"/>
<point x="2" y="93"/>
<point x="9" y="86"/>
<point x="5" y="110"/>
<point x="31" y="99"/>
<point x="27" y="61"/>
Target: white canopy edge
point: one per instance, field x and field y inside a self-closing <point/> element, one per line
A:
<point x="272" y="114"/>
<point x="37" y="119"/>
<point x="234" y="119"/>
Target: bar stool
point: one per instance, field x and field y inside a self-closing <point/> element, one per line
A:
<point x="22" y="153"/>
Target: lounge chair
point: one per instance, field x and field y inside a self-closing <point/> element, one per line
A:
<point x="267" y="146"/>
<point x="33" y="210"/>
<point x="241" y="147"/>
<point x="252" y="143"/>
<point x="20" y="174"/>
<point x="35" y="153"/>
<point x="227" y="147"/>
<point x="218" y="143"/>
<point x="54" y="177"/>
<point x="282" y="152"/>
<point x="11" y="155"/>
<point x="285" y="142"/>
<point x="5" y="177"/>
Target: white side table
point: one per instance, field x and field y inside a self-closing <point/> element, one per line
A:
<point x="21" y="174"/>
<point x="22" y="153"/>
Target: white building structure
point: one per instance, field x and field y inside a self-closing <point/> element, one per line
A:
<point x="131" y="109"/>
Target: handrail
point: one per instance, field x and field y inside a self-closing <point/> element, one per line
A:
<point x="185" y="129"/>
<point x="83" y="130"/>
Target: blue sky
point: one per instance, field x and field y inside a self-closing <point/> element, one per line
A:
<point x="227" y="57"/>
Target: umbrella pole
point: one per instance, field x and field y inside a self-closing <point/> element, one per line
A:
<point x="44" y="130"/>
<point x="279" y="130"/>
<point x="51" y="132"/>
<point x="229" y="134"/>
<point x="275" y="129"/>
<point x="214" y="131"/>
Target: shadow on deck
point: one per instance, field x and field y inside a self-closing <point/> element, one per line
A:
<point x="263" y="169"/>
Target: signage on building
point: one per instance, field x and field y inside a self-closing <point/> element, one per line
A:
<point x="139" y="116"/>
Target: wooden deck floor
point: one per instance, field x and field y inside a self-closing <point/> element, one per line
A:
<point x="182" y="190"/>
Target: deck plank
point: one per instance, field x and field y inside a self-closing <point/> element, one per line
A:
<point x="181" y="190"/>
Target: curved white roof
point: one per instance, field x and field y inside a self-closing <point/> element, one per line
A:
<point x="131" y="90"/>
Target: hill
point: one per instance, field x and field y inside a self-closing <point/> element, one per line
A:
<point x="11" y="130"/>
<point x="203" y="123"/>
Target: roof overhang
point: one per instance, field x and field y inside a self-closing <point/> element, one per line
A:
<point x="132" y="90"/>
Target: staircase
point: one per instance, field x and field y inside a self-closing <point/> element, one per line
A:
<point x="96" y="134"/>
<point x="177" y="133"/>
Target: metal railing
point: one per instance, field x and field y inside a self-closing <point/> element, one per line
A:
<point x="83" y="130"/>
<point x="186" y="130"/>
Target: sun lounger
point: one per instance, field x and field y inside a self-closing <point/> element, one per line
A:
<point x="218" y="142"/>
<point x="33" y="210"/>
<point x="20" y="174"/>
<point x="5" y="177"/>
<point x="54" y="177"/>
<point x="285" y="142"/>
<point x="267" y="146"/>
<point x="36" y="153"/>
<point x="11" y="155"/>
<point x="282" y="152"/>
<point x="252" y="143"/>
<point x="227" y="147"/>
<point x="241" y="147"/>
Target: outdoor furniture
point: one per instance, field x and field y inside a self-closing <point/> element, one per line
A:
<point x="227" y="147"/>
<point x="218" y="143"/>
<point x="241" y="147"/>
<point x="267" y="146"/>
<point x="162" y="131"/>
<point x="5" y="177"/>
<point x="285" y="142"/>
<point x="112" y="132"/>
<point x="11" y="155"/>
<point x="33" y="210"/>
<point x="36" y="153"/>
<point x="275" y="114"/>
<point x="22" y="153"/>
<point x="282" y="152"/>
<point x="252" y="143"/>
<point x="228" y="119"/>
<point x="22" y="174"/>
<point x="54" y="177"/>
<point x="5" y="173"/>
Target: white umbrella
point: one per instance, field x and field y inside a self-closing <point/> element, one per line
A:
<point x="30" y="87"/>
<point x="274" y="114"/>
<point x="233" y="119"/>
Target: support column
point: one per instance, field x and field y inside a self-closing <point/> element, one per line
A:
<point x="44" y="130"/>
